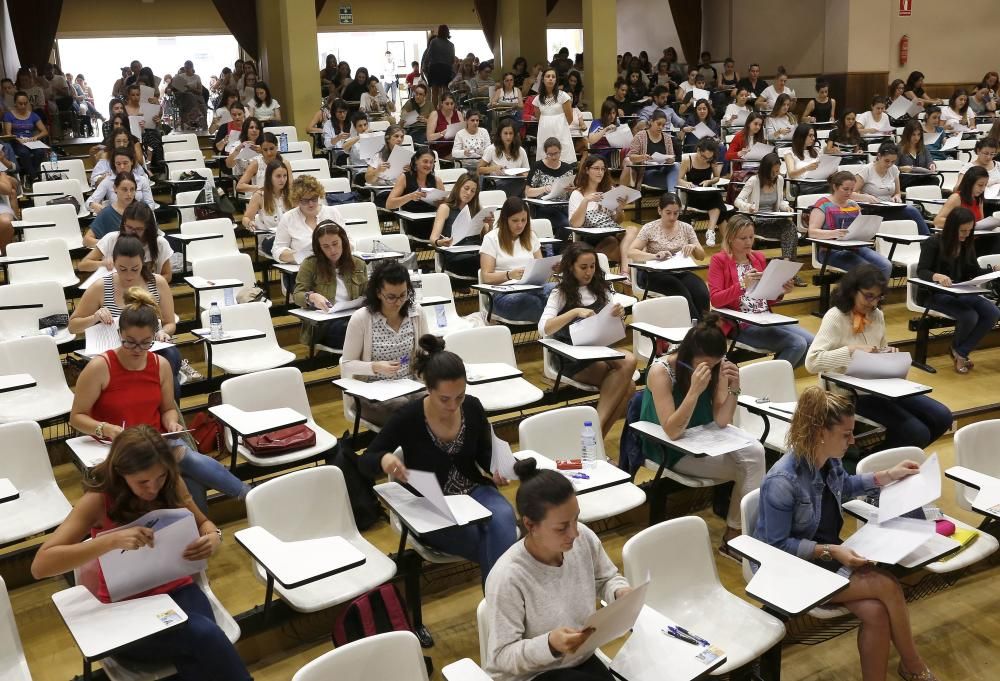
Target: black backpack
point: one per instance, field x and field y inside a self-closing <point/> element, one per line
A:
<point x="364" y="503"/>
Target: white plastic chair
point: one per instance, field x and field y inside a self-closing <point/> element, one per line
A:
<point x="684" y="586"/>
<point x="321" y="490"/>
<point x="87" y="576"/>
<point x="449" y="176"/>
<point x="55" y="266"/>
<point x="393" y="242"/>
<point x="394" y="655"/>
<point x="39" y="357"/>
<point x="236" y="266"/>
<point x="288" y="130"/>
<point x="925" y="192"/>
<point x="339" y="185"/>
<point x="625" y="301"/>
<point x="378" y="126"/>
<point x="774" y="379"/>
<point x="354" y="213"/>
<point x="20" y="323"/>
<point x="666" y="311"/>
<point x="749" y="509"/>
<point x="181" y="160"/>
<point x="556" y="432"/>
<point x="439" y="284"/>
<point x="11" y="653"/>
<point x="186" y="199"/>
<point x="986" y="261"/>
<point x="542" y="227"/>
<point x="492" y="197"/>
<point x="949" y="169"/>
<point x="273" y="389"/>
<point x="484" y="303"/>
<point x="299" y="150"/>
<point x="492" y="344"/>
<point x="911" y="300"/>
<point x="210" y="248"/>
<point x="975" y="448"/>
<point x="41" y="505"/>
<point x="43" y="192"/>
<point x="802" y="203"/>
<point x="178" y="141"/>
<point x="904" y="254"/>
<point x="67" y="169"/>
<point x="174" y="174"/>
<point x="246" y="357"/>
<point x="985" y="545"/>
<point x="317" y="167"/>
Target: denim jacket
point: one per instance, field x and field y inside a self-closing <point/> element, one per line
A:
<point x="791" y="500"/>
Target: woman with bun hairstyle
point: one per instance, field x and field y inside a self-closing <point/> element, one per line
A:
<point x="800" y="512"/>
<point x="447" y="433"/>
<point x="583" y="292"/>
<point x="140" y="475"/>
<point x="693" y="387"/>
<point x="543" y="590"/>
<point x="130" y="386"/>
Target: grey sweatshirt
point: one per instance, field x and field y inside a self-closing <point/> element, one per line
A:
<point x="528" y="599"/>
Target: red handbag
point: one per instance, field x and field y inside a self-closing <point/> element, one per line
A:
<point x="281" y="441"/>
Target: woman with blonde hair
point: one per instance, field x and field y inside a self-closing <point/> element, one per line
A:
<point x="800" y="512"/>
<point x="293" y="241"/>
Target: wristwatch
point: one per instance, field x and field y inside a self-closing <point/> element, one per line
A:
<point x="99" y="430"/>
<point x="825" y="554"/>
<point x="737" y="392"/>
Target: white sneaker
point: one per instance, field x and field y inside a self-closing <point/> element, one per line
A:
<point x="710" y="237"/>
<point x="189" y="373"/>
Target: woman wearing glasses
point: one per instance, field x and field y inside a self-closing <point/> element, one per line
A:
<point x="382" y="337"/>
<point x="131" y="386"/>
<point x="855" y="323"/>
<point x="293" y="240"/>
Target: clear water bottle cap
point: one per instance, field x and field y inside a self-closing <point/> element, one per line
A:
<point x="588" y="424"/>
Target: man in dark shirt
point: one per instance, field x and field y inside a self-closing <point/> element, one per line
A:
<point x="753" y="82"/>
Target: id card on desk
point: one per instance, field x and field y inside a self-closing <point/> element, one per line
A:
<point x="709" y="655"/>
<point x="169" y="617"/>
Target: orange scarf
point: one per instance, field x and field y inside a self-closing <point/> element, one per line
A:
<point x="858" y="322"/>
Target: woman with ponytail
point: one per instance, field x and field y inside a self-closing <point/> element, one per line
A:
<point x="130" y="386"/>
<point x="800" y="512"/>
<point x="447" y="433"/>
<point x="697" y="386"/>
<point x="138" y="476"/>
<point x="543" y="590"/>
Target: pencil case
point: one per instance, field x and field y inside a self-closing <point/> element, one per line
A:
<point x="569" y="464"/>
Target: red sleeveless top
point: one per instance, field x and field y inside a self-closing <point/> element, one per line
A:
<point x="975" y="207"/>
<point x="132" y="397"/>
<point x="442" y="123"/>
<point x="102" y="587"/>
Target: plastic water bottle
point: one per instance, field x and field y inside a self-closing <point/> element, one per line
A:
<point x="48" y="331"/>
<point x="588" y="445"/>
<point x="229" y="296"/>
<point x="377" y="246"/>
<point x="215" y="321"/>
<point x="54" y="165"/>
<point x="441" y="316"/>
<point x="418" y="287"/>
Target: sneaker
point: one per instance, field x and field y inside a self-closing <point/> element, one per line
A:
<point x="710" y="237"/>
<point x="189" y="373"/>
<point x="799" y="282"/>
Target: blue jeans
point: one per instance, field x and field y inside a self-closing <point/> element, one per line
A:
<point x="790" y="343"/>
<point x="523" y="306"/>
<point x="198" y="648"/>
<point x="481" y="543"/>
<point x="975" y="317"/>
<point x="847" y="260"/>
<point x="914" y="421"/>
<point x="173" y="357"/>
<point x="202" y="473"/>
<point x="664" y="179"/>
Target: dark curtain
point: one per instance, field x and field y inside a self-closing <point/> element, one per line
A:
<point x="549" y="4"/>
<point x="34" y="26"/>
<point x="687" y="20"/>
<point x="240" y="17"/>
<point x="319" y="6"/>
<point x="487" y="11"/>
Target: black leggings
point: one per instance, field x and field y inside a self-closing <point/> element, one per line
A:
<point x="590" y="670"/>
<point x="685" y="284"/>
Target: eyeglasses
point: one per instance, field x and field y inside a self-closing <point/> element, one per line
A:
<point x="309" y="202"/>
<point x="390" y="298"/>
<point x="135" y="345"/>
<point x="872" y="297"/>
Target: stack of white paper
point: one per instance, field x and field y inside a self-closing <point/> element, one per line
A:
<point x="602" y="329"/>
<point x="758" y="151"/>
<point x="537" y="271"/>
<point x="875" y="365"/>
<point x="610" y="199"/>
<point x="827" y="166"/>
<point x="369" y="144"/>
<point x="772" y="281"/>
<point x="620" y="137"/>
<point x="502" y="460"/>
<point x="452" y="130"/>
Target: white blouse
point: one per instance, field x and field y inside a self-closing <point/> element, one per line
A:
<point x="295" y="235"/>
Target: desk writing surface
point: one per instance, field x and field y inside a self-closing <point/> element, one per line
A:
<point x="601" y="475"/>
<point x="296" y="563"/>
<point x="784" y="581"/>
<point x="488" y="372"/>
<point x="987" y="501"/>
<point x="650" y="655"/>
<point x="8" y="492"/>
<point x="780" y="410"/>
<point x="421" y="517"/>
<point x="88" y="451"/>
<point x="101" y="628"/>
<point x="320" y="316"/>
<point x="11" y="382"/>
<point x="757" y="318"/>
<point x="707" y="440"/>
<point x="887" y="387"/>
<point x="259" y="421"/>
<point x="379" y="391"/>
<point x="674" y="334"/>
<point x="229" y="335"/>
<point x="581" y="352"/>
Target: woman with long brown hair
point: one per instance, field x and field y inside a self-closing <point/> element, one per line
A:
<point x="138" y="476"/>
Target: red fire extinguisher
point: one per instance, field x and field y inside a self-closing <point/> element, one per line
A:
<point x="904" y="50"/>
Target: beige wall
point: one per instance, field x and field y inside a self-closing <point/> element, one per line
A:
<point x="421" y="15"/>
<point x="950" y="42"/>
<point x="645" y="25"/>
<point x="566" y="14"/>
<point x="131" y="18"/>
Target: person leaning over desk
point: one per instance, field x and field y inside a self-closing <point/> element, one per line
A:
<point x="543" y="589"/>
<point x="697" y="386"/>
<point x="447" y="433"/>
<point x="855" y="323"/>
<point x="948" y="258"/>
<point x="139" y="476"/>
<point x="800" y="512"/>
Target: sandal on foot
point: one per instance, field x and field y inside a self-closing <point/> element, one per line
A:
<point x="926" y="675"/>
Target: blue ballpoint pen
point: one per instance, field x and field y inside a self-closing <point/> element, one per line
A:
<point x="694" y="636"/>
<point x="679" y="635"/>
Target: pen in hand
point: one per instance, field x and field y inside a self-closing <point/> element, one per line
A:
<point x="149" y="525"/>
